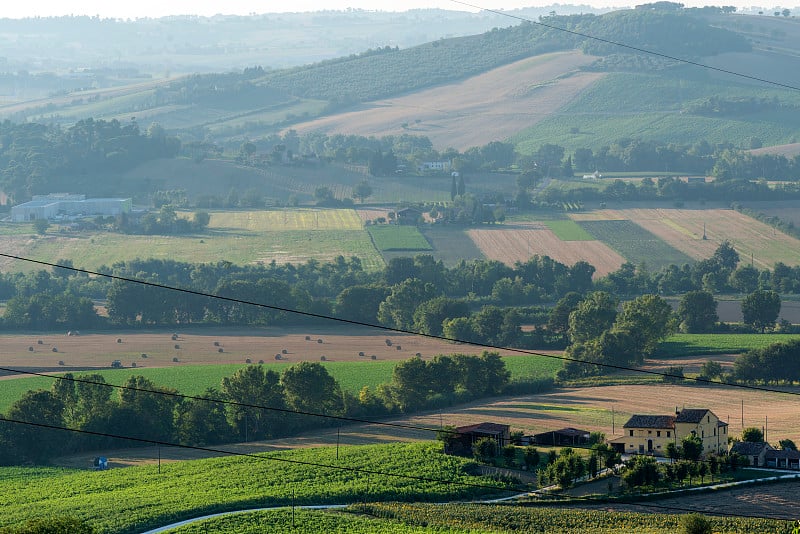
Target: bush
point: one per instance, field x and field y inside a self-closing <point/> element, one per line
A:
<point x="695" y="524"/>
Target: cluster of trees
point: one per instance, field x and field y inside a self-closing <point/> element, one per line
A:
<point x="39" y="159"/>
<point x="141" y="409"/>
<point x="599" y="334"/>
<point x="774" y="364"/>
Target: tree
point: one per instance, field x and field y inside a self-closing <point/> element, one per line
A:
<point x="711" y="370"/>
<point x="202" y="421"/>
<point x="362" y="190"/>
<point x="649" y="319"/>
<point x="697" y="312"/>
<point x="593" y="315"/>
<point x="485" y="450"/>
<point x="672" y="451"/>
<point x="509" y="455"/>
<point x="397" y="310"/>
<point x="254" y="386"/>
<point x="752" y="435"/>
<point x="531" y="457"/>
<point x="41" y="226"/>
<point x="308" y="387"/>
<point x="558" y="322"/>
<point x="201" y="219"/>
<point x="787" y="445"/>
<point x="692" y="447"/>
<point x="760" y="309"/>
<point x="30" y="442"/>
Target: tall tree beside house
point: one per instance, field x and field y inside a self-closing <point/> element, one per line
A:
<point x="362" y="190"/>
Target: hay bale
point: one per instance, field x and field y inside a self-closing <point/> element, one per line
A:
<point x="220" y="350"/>
<point x="55" y="349"/>
<point x="322" y="358"/>
<point x="373" y="357"/>
<point x="248" y="360"/>
<point x="119" y="340"/>
<point x="175" y="359"/>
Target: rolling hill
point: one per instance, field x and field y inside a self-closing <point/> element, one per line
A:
<point x="529" y="83"/>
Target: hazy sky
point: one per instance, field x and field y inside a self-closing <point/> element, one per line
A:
<point x="154" y="8"/>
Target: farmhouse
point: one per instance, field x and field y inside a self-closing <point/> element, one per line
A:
<point x="56" y="205"/>
<point x="650" y="434"/>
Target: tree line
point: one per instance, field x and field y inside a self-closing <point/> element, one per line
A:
<point x="37" y="159"/>
<point x="144" y="410"/>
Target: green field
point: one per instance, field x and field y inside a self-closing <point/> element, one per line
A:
<point x="137" y="498"/>
<point x="568" y="230"/>
<point x="464" y="519"/>
<point x="452" y="244"/>
<point x="700" y="344"/>
<point x="398" y="237"/>
<point x="635" y="244"/>
<point x="195" y="379"/>
<point x="241" y="237"/>
<point x="652" y="105"/>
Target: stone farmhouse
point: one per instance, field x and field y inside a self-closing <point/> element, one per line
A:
<point x="650" y="434"/>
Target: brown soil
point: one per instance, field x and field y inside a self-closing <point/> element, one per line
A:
<point x="484" y="108"/>
<point x="519" y="242"/>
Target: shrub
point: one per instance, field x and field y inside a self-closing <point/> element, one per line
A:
<point x="695" y="524"/>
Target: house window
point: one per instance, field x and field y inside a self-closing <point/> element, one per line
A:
<point x="658" y="433"/>
<point x="668" y="433"/>
<point x="649" y="432"/>
<point x="630" y="434"/>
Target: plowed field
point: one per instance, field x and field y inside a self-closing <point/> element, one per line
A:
<point x="519" y="242"/>
<point x="484" y="108"/>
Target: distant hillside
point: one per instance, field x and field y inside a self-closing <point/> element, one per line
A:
<point x="466" y="91"/>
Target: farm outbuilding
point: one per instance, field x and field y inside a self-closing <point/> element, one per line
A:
<point x="467" y="435"/>
<point x="563" y="437"/>
<point x="66" y="205"/>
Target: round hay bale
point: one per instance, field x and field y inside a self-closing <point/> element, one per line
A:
<point x="260" y="362"/>
<point x="175" y="359"/>
<point x="322" y="358"/>
<point x="277" y="356"/>
<point x="119" y="340"/>
<point x="40" y="342"/>
<point x="177" y="346"/>
<point x="388" y="342"/>
<point x="248" y="360"/>
<point x="216" y="343"/>
<point x="319" y="340"/>
<point x="220" y="350"/>
<point x="60" y="362"/>
<point x="308" y="338"/>
<point x="373" y="357"/>
<point x="418" y="355"/>
<point x="174" y="337"/>
<point x="133" y="364"/>
<point x="398" y="347"/>
<point x="55" y="349"/>
<point x="284" y="351"/>
<point x="144" y="355"/>
<point x="361" y="353"/>
<point x="30" y="349"/>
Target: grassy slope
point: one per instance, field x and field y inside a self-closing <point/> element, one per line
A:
<point x="133" y="499"/>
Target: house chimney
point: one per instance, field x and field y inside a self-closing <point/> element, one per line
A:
<point x="677" y="411"/>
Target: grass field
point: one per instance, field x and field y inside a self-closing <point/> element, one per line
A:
<point x="242" y="237"/>
<point x="398" y="237"/>
<point x="635" y="244"/>
<point x="452" y="244"/>
<point x="568" y="230"/>
<point x="132" y="500"/>
<point x="195" y="379"/>
<point x="700" y="344"/>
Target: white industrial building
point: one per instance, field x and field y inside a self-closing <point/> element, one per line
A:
<point x="64" y="205"/>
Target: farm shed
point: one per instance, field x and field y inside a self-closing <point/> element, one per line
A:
<point x="467" y="435"/>
<point x="57" y="205"/>
<point x="565" y="436"/>
<point x="756" y="452"/>
<point x="783" y="459"/>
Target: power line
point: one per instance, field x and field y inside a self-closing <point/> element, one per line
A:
<point x="398" y="330"/>
<point x="631" y="47"/>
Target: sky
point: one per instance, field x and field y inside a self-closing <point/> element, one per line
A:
<point x="154" y="8"/>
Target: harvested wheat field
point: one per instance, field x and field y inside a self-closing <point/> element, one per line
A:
<point x="215" y="346"/>
<point x="484" y="108"/>
<point x="521" y="241"/>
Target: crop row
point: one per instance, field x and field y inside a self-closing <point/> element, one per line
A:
<point x="636" y="244"/>
<point x="137" y="498"/>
